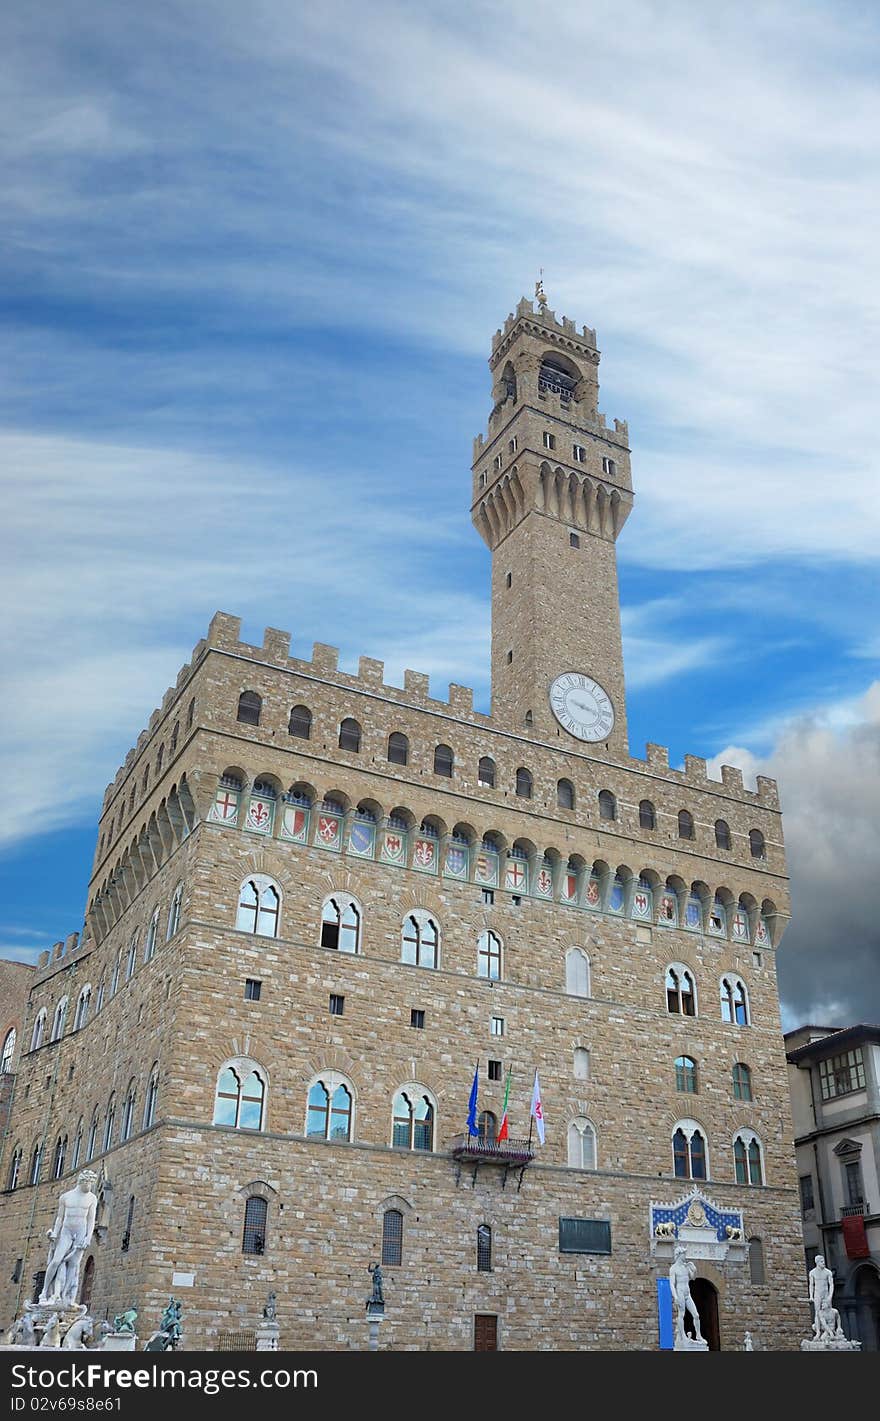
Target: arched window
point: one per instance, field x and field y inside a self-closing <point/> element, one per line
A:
<point x="341" y="923"/>
<point x="756" y="844"/>
<point x="160" y="756"/>
<point x="128" y="1113"/>
<point x="152" y="934"/>
<point x="300" y="722"/>
<point x="58" y="1020"/>
<point x="486" y="772"/>
<point x="680" y="995"/>
<point x="131" y="962"/>
<point x="14" y="1168"/>
<point x="444" y="761"/>
<point x="58" y="1157"/>
<point x="581" y="1063"/>
<point x="647" y="815"/>
<point x="240" y="1098"/>
<point x="190" y="714"/>
<point x="748" y="1163"/>
<point x="722" y="834"/>
<point x="413" y="1120"/>
<point x="577" y="972"/>
<point x="99" y="999"/>
<point x="109" y="1123"/>
<point x="565" y="794"/>
<point x="489" y="956"/>
<point x="256" y="1214"/>
<point x="742" y="1081"/>
<point x="607" y="805"/>
<point x="484" y="1249"/>
<point x="77" y="1145"/>
<point x="36" y="1164"/>
<point x="685" y="824"/>
<point x="392" y="1238"/>
<point x="8" y="1052"/>
<point x="686" y="1074"/>
<point x="487" y="1125"/>
<point x="524" y="784"/>
<point x="582" y="1144"/>
<point x="93" y="1135"/>
<point x="39" y="1029"/>
<point x="734" y="1001"/>
<point x="259" y="906"/>
<point x="174" y="912"/>
<point x="329" y="1115"/>
<point x="80" y="1016"/>
<point x="756" y="1260"/>
<point x="249" y="707"/>
<point x="689" y="1153"/>
<point x="129" y="1220"/>
<point x="421" y="939"/>
<point x="117" y="968"/>
<point x="350" y="735"/>
<point x="398" y="748"/>
<point x="151" y="1098"/>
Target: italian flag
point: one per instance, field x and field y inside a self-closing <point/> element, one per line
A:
<point x="502" y="1128"/>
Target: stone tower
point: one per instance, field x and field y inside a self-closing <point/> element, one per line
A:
<point x="551" y="492"/>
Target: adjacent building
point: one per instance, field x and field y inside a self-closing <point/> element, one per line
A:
<point x="835" y="1093"/>
<point x="319" y="901"/>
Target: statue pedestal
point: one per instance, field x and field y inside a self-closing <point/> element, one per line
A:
<point x="267" y="1336"/>
<point x="690" y="1344"/>
<point x="119" y="1342"/>
<point x="41" y="1314"/>
<point x="829" y="1344"/>
<point x="375" y="1314"/>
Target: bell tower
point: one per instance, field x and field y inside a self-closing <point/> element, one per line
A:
<point x="551" y="492"/>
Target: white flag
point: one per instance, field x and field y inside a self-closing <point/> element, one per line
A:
<point x="537" y="1110"/>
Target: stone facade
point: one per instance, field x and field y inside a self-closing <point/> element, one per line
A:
<point x="219" y="793"/>
<point x="15" y="981"/>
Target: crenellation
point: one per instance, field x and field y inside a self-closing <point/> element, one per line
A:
<point x="695" y="769"/>
<point x="416" y="684"/>
<point x="57" y="950"/>
<point x="732" y="778"/>
<point x="43" y="959"/>
<point x="767" y="791"/>
<point x="371" y="672"/>
<point x="461" y="699"/>
<point x="224" y="632"/>
<point x="276" y="645"/>
<point x="325" y="658"/>
<point x="658" y="756"/>
<point x="71" y="943"/>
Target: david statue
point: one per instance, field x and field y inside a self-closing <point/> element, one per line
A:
<point x="71" y="1235"/>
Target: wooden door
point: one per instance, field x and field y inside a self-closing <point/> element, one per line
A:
<point x="485" y="1332"/>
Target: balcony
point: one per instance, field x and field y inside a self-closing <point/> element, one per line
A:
<point x="854" y="1211"/>
<point x="471" y="1151"/>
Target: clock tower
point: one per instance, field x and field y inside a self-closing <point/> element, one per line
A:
<point x="551" y="492"/>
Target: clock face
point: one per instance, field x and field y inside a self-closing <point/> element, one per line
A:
<point x="581" y="706"/>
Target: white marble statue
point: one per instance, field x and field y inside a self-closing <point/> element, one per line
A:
<point x="826" y="1318"/>
<point x="680" y="1274"/>
<point x="21" y="1333"/>
<point x="79" y="1334"/>
<point x="748" y="1345"/>
<point x="71" y="1235"/>
<point x="51" y="1332"/>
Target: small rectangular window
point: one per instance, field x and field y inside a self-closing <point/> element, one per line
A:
<point x="509" y="657"/>
<point x="16" y="1272"/>
<point x="584" y="1236"/>
<point x="488" y="896"/>
<point x="573" y="540"/>
<point x="417" y="1018"/>
<point x="497" y="1026"/>
<point x="509" y="579"/>
<point x="337" y="1004"/>
<point x="549" y="440"/>
<point x="494" y="1070"/>
<point x="516" y="900"/>
<point x="757" y="959"/>
<point x="513" y="445"/>
<point x="252" y="989"/>
<point x="807" y="1201"/>
<point x="579" y="453"/>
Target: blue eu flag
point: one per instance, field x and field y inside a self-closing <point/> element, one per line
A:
<point x="473" y="1127"/>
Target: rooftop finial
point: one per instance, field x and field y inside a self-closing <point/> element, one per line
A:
<point x="540" y="296"/>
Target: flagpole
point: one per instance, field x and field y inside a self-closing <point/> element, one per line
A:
<point x="532" y="1113"/>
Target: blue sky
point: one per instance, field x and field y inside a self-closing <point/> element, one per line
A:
<point x="254" y="258"/>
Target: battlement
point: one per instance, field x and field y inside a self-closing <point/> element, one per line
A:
<point x="546" y="319"/>
<point x="61" y="953"/>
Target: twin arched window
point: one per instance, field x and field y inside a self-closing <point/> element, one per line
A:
<point x="14" y="1169"/>
<point x="80" y="1016"/>
<point x="93" y="1135"/>
<point x="132" y="956"/>
<point x="151" y="1097"/>
<point x="421" y="939"/>
<point x="681" y="998"/>
<point x="152" y="934"/>
<point x="36" y="1164"/>
<point x="413" y="1120"/>
<point x="39" y="1030"/>
<point x="128" y="1113"/>
<point x="77" y="1145"/>
<point x="489" y="956"/>
<point x="8" y="1052"/>
<point x="259" y="906"/>
<point x="686" y="1074"/>
<point x="58" y="1020"/>
<point x="689" y="1153"/>
<point x="748" y="1163"/>
<point x="240" y="1098"/>
<point x="582" y="1144"/>
<point x="742" y="1081"/>
<point x="734" y="1001"/>
<point x="59" y="1157"/>
<point x="109" y="1123"/>
<point x="341" y="920"/>
<point x="329" y="1115"/>
<point x="250" y="706"/>
<point x="577" y="973"/>
<point x="174" y="912"/>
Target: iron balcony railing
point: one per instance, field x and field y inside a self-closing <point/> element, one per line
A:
<point x="485" y="1150"/>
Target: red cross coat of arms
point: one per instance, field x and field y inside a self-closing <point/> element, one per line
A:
<point x="516" y="875"/>
<point x="225" y="805"/>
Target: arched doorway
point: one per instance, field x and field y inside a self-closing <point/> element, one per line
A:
<point x="867" y="1291"/>
<point x="85" y="1295"/>
<point x="705" y="1295"/>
